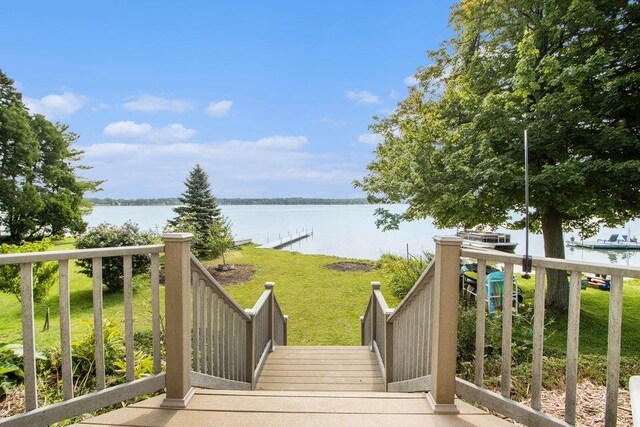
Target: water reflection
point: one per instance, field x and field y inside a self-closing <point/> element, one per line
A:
<point x="615" y="257"/>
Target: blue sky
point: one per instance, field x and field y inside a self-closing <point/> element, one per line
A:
<point x="272" y="98"/>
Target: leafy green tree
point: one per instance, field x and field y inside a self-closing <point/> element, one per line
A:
<point x="44" y="273"/>
<point x="109" y="236"/>
<point x="41" y="194"/>
<point x="569" y="72"/>
<point x="200" y="215"/>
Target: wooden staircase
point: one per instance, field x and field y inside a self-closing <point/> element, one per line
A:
<point x="326" y="368"/>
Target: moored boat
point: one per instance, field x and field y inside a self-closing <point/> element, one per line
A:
<point x="615" y="242"/>
<point x="487" y="240"/>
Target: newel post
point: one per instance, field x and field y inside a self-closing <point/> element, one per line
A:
<point x="250" y="355"/>
<point x="375" y="286"/>
<point x="177" y="252"/>
<point x="272" y="313"/>
<point x="445" y="325"/>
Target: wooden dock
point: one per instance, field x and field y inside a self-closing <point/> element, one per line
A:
<point x="286" y="240"/>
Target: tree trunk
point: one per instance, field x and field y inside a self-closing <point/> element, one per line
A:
<point x="557" y="297"/>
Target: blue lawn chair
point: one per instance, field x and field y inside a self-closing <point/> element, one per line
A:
<point x="494" y="286"/>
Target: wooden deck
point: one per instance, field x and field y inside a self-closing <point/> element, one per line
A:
<point x="303" y="386"/>
<point x="295" y="408"/>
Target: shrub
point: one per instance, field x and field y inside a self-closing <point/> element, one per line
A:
<point x="403" y="273"/>
<point x="106" y="236"/>
<point x="44" y="273"/>
<point x="11" y="373"/>
<point x="521" y="342"/>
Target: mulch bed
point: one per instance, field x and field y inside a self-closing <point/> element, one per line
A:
<point x="350" y="266"/>
<point x="242" y="273"/>
<point x="590" y="405"/>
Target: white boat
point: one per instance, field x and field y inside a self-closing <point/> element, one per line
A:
<point x="620" y="242"/>
<point x="487" y="240"/>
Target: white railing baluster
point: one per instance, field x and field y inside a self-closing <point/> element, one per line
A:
<point x="573" y="335"/>
<point x="209" y="331"/>
<point x="613" y="351"/>
<point x="97" y="322"/>
<point x="155" y="311"/>
<point x="480" y="322"/>
<point x="195" y="328"/>
<point x="216" y="334"/>
<point x="507" y="322"/>
<point x="28" y="336"/>
<point x="202" y="326"/>
<point x="128" y="316"/>
<point x="538" y="340"/>
<point x="65" y="329"/>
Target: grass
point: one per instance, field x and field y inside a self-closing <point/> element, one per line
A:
<point x="594" y="320"/>
<point x="324" y="306"/>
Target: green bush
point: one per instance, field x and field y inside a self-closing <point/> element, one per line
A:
<point x="11" y="373"/>
<point x="402" y="273"/>
<point x="521" y="342"/>
<point x="44" y="273"/>
<point x="107" y="236"/>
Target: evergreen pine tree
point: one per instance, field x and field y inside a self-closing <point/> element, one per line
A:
<point x="200" y="215"/>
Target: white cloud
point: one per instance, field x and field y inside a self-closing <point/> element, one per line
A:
<point x="393" y="94"/>
<point x="172" y="132"/>
<point x="370" y="138"/>
<point x="129" y="130"/>
<point x="55" y="106"/>
<point x="219" y="108"/>
<point x="282" y="142"/>
<point x="362" y="97"/>
<point x="274" y="163"/>
<point x="149" y="104"/>
<point x="410" y="81"/>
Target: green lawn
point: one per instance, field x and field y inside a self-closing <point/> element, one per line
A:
<point x="324" y="306"/>
<point x="594" y="319"/>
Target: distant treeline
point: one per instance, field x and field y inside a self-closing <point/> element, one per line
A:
<point x="172" y="201"/>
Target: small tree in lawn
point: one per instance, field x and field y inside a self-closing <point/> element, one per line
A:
<point x="201" y="216"/>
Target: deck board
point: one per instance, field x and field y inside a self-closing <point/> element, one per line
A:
<point x="299" y="368"/>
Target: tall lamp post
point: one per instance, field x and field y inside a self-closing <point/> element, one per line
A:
<point x="526" y="260"/>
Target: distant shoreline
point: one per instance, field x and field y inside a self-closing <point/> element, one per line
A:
<point x="173" y="201"/>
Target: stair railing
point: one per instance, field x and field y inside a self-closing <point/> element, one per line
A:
<point x="414" y="353"/>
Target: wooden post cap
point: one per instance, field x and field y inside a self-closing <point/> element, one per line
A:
<point x="375" y="286"/>
<point x="269" y="285"/>
<point x="448" y="240"/>
<point x="177" y="237"/>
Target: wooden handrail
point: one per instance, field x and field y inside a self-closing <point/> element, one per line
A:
<point x="261" y="301"/>
<point x="213" y="283"/>
<point x="553" y="263"/>
<point x="422" y="281"/>
<point x="23" y="258"/>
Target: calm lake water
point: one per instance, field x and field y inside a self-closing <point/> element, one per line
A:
<point x="343" y="230"/>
